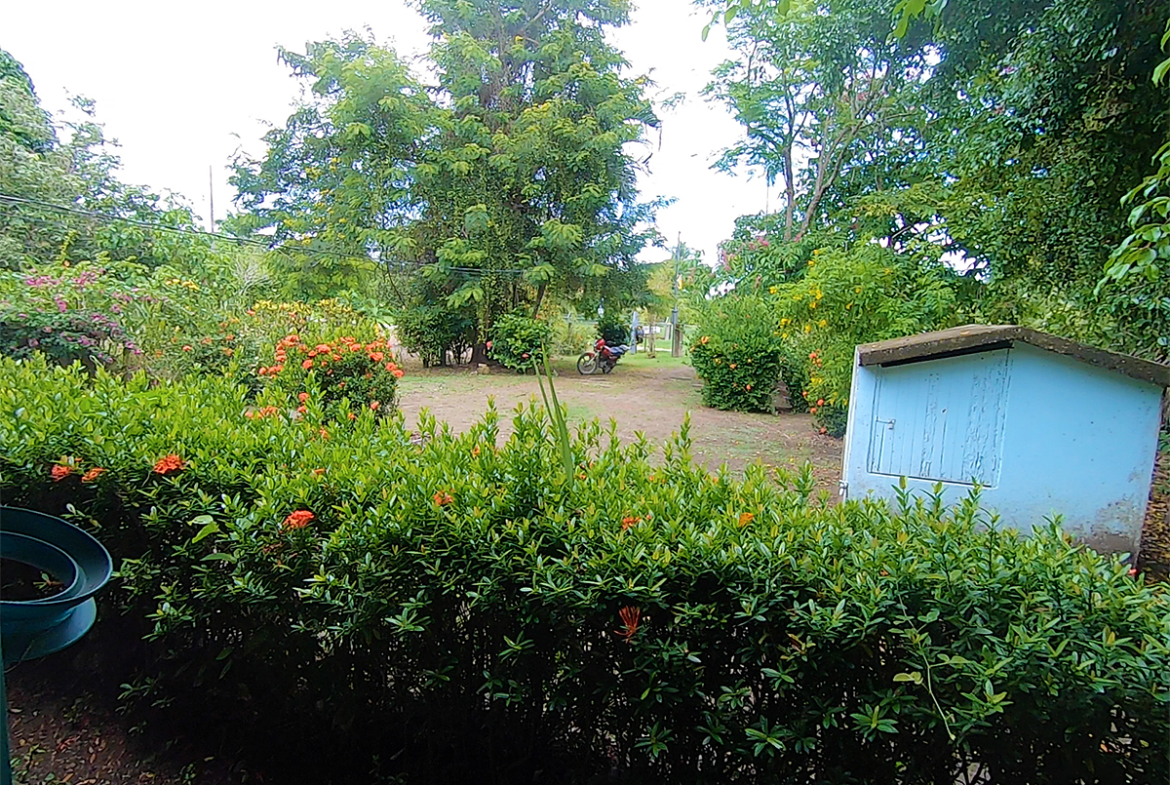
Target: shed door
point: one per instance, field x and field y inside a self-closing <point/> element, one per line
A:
<point x="941" y="420"/>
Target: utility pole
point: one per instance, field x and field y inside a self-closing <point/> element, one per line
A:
<point x="675" y="334"/>
<point x="211" y="197"/>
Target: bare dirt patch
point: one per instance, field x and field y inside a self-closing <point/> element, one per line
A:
<point x="642" y="395"/>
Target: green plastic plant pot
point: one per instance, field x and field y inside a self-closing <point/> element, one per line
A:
<point x="37" y="627"/>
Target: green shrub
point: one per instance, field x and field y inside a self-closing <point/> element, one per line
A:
<point x="569" y="336"/>
<point x="458" y="604"/>
<point x="433" y="331"/>
<point x="517" y="338"/>
<point x="853" y="296"/>
<point x="737" y="354"/>
<point x="64" y="336"/>
<point x="613" y="330"/>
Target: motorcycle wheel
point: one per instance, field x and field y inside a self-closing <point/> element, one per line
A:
<point x="586" y="364"/>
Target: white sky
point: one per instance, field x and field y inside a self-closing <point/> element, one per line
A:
<point x="182" y="86"/>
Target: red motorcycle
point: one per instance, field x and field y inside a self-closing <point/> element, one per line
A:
<point x="603" y="357"/>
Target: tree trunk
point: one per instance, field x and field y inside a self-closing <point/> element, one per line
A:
<point x="479" y="354"/>
<point x="789" y="193"/>
<point x="539" y="298"/>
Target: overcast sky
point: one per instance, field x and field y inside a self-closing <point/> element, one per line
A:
<point x="182" y="86"/>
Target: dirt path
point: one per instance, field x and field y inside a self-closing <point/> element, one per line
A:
<point x="651" y="396"/>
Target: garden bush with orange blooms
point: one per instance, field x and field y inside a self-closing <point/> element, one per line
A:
<point x="737" y="353"/>
<point x="851" y="296"/>
<point x="343" y="371"/>
<point x="345" y="603"/>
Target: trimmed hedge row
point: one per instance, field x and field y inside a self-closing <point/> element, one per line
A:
<point x="447" y="610"/>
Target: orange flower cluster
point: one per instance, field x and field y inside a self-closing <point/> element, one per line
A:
<point x="263" y="411"/>
<point x="631" y="520"/>
<point x="322" y="354"/>
<point x="746" y="518"/>
<point x="68" y="466"/>
<point x="168" y="464"/>
<point x="298" y="520"/>
<point x="442" y="497"/>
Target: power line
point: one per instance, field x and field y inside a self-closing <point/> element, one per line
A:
<point x="37" y="203"/>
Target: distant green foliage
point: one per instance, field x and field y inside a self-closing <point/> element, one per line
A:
<point x="64" y="337"/>
<point x="737" y="353"/>
<point x="1139" y="268"/>
<point x="613" y="328"/>
<point x="569" y="336"/>
<point x="434" y="332"/>
<point x="517" y="339"/>
<point x="455" y="600"/>
<point x="486" y="192"/>
<point x="999" y="137"/>
<point x="852" y="296"/>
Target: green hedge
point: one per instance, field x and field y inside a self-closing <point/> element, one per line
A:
<point x="451" y="611"/>
<point x="517" y="338"/>
<point x="431" y="331"/>
<point x="737" y="354"/>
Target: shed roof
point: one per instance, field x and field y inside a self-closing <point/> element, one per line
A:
<point x="972" y="338"/>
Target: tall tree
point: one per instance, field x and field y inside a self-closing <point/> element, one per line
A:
<point x="818" y="90"/>
<point x="1005" y="133"/>
<point x="509" y="178"/>
<point x="334" y="185"/>
<point x="49" y="167"/>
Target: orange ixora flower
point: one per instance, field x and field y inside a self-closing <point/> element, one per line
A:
<point x="442" y="497"/>
<point x="630" y="520"/>
<point x="303" y="397"/>
<point x="168" y="464"/>
<point x="746" y="518"/>
<point x="298" y="520"/>
<point x="92" y="474"/>
<point x="307" y="364"/>
<point x="704" y="340"/>
<point x="61" y="470"/>
<point x="630" y="617"/>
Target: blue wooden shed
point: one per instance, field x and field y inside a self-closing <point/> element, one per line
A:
<point x="1045" y="425"/>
